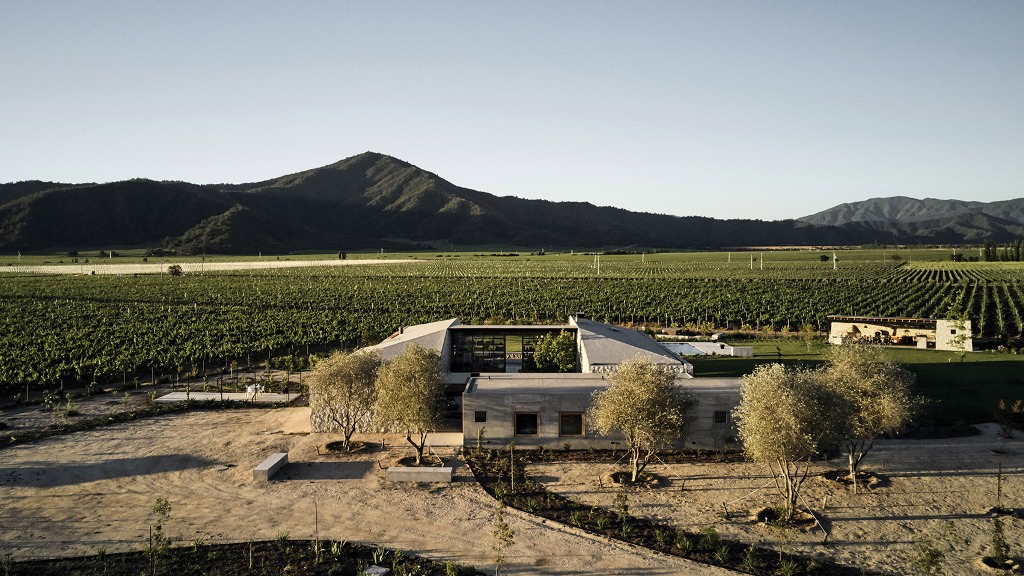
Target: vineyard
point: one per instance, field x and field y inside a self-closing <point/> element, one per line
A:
<point x="62" y="329"/>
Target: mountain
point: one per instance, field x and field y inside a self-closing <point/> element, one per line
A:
<point x="904" y="210"/>
<point x="929" y="220"/>
<point x="373" y="200"/>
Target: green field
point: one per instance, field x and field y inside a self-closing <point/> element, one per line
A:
<point x="966" y="391"/>
<point x="66" y="329"/>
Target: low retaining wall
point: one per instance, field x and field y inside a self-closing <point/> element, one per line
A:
<point x="420" y="474"/>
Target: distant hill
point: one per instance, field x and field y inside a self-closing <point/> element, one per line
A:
<point x="929" y="220"/>
<point x="373" y="200"/>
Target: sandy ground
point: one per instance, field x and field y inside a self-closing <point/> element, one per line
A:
<point x="78" y="493"/>
<point x="937" y="490"/>
<point x="74" y="494"/>
<point x="188" y="267"/>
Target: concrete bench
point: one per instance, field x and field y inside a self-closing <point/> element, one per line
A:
<point x="420" y="473"/>
<point x="268" y="467"/>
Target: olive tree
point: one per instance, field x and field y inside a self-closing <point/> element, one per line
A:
<point x="555" y="353"/>
<point x="410" y="396"/>
<point x="645" y="405"/>
<point x="785" y="418"/>
<point x="342" y="390"/>
<point x="878" y="392"/>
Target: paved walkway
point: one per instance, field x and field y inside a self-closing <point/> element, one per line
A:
<point x="261" y="398"/>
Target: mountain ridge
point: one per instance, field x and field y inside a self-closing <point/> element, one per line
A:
<point x="373" y="200"/>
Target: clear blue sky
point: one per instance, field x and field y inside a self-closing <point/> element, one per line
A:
<point x="725" y="109"/>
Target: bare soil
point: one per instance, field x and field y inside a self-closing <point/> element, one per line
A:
<point x="936" y="491"/>
<point x="74" y="494"/>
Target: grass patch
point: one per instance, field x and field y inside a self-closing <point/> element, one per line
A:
<point x="959" y="393"/>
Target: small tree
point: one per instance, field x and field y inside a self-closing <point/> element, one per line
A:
<point x="877" y="391"/>
<point x="342" y="389"/>
<point x="410" y="396"/>
<point x="504" y="536"/>
<point x="555" y="353"/>
<point x="808" y="332"/>
<point x="644" y="404"/>
<point x="785" y="418"/>
<point x="174" y="270"/>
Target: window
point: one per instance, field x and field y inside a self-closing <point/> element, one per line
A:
<point x="570" y="424"/>
<point x="480" y="416"/>
<point x="721" y="417"/>
<point x="526" y="424"/>
<point x="952" y="331"/>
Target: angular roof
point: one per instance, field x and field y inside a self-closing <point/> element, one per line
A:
<point x="432" y="336"/>
<point x="604" y="346"/>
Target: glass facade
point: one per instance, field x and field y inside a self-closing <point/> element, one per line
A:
<point x="497" y="350"/>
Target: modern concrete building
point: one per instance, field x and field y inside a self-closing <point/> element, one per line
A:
<point x="925" y="333"/>
<point x="550" y="410"/>
<point x="492" y="378"/>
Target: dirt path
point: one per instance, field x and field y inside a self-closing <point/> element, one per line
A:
<point x="188" y="267"/>
<point x="76" y="494"/>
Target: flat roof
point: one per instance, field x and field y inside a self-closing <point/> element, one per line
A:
<point x="533" y="383"/>
<point x="896" y="321"/>
<point x="575" y="383"/>
<point x="507" y="327"/>
<point x="708" y="383"/>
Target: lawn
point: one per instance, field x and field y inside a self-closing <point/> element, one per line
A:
<point x="958" y="392"/>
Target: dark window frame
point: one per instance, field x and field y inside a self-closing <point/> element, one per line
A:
<point x="536" y="424"/>
<point x="480" y="416"/>
<point x="582" y="425"/>
<point x="721" y="417"/>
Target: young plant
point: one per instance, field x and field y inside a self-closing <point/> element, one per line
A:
<point x="750" y="562"/>
<point x="709" y="537"/>
<point x="722" y="554"/>
<point x="683" y="544"/>
<point x="927" y="558"/>
<point x="621" y="504"/>
<point x="159" y="543"/>
<point x="1000" y="547"/>
<point x="503" y="535"/>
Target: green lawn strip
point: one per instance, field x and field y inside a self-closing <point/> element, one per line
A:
<point x="958" y="393"/>
<point x="494" y="471"/>
<point x="264" y="558"/>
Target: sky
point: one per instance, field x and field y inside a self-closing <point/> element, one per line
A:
<point x="727" y="109"/>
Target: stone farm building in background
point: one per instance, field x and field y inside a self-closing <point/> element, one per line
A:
<point x="925" y="333"/>
<point x="500" y="399"/>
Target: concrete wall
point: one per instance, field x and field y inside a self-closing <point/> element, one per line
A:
<point x="704" y="432"/>
<point x="499" y="429"/>
<point x="941" y="338"/>
<point x="851" y="332"/>
<point x="946" y="331"/>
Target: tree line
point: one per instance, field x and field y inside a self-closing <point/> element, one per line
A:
<point x="1012" y="252"/>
